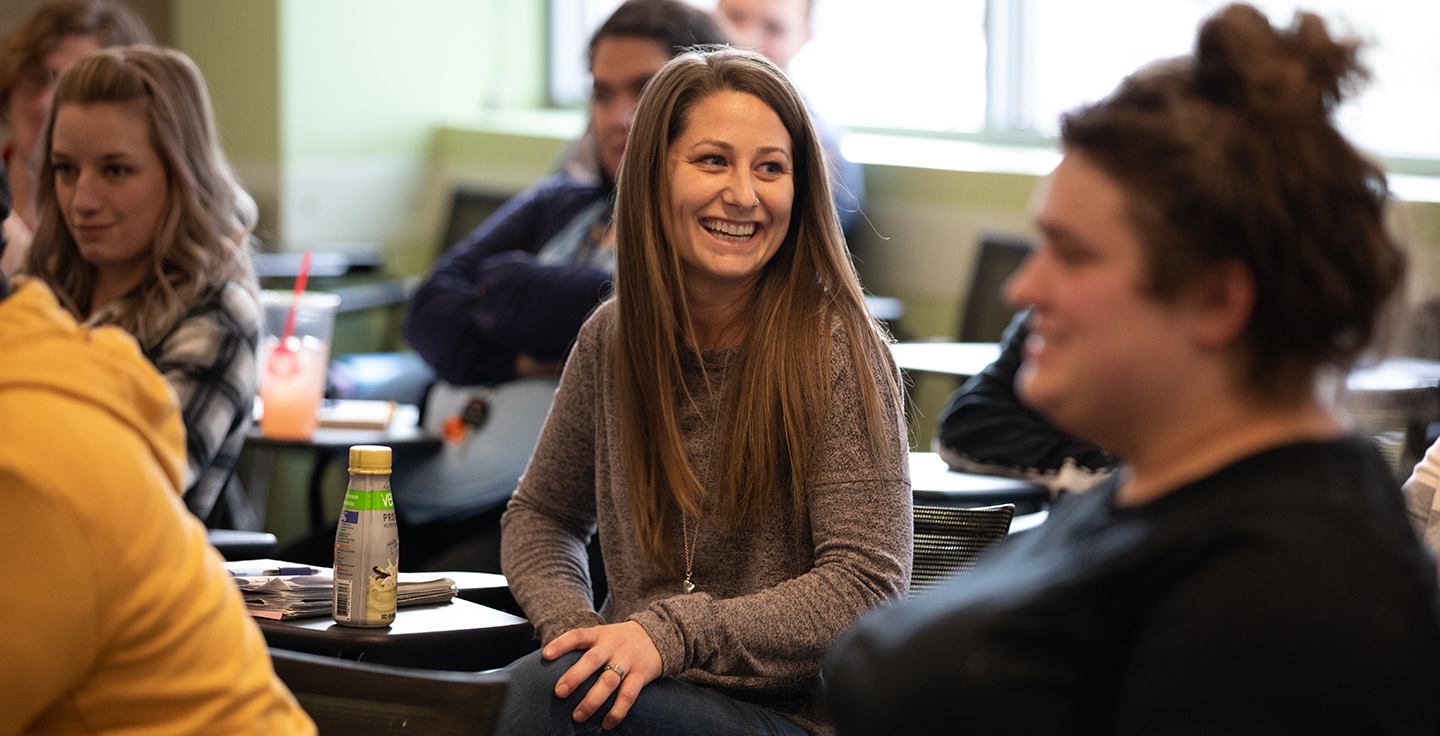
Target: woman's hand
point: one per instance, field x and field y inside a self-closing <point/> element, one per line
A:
<point x="626" y="646"/>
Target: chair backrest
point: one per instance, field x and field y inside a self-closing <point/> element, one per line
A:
<point x="986" y="314"/>
<point x="949" y="541"/>
<point x="357" y="699"/>
<point x="469" y="208"/>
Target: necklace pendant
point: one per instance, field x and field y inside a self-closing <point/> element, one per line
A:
<point x="688" y="586"/>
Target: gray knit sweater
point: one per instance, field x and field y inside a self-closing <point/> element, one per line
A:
<point x="771" y="597"/>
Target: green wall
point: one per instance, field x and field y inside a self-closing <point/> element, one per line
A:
<point x="327" y="107"/>
<point x="355" y="121"/>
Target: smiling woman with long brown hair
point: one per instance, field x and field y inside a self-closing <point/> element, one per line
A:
<point x="729" y="422"/>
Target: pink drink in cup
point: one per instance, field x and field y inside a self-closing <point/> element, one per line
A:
<point x="291" y="390"/>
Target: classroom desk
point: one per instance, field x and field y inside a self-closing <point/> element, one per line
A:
<point x="329" y="444"/>
<point x="1397" y="404"/>
<point x="963" y="359"/>
<point x="460" y="634"/>
<point x="486" y="588"/>
<point x="933" y="483"/>
<point x="458" y="624"/>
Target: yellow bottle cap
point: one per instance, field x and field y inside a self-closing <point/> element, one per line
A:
<point x="369" y="459"/>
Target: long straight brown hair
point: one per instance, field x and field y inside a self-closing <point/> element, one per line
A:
<point x="780" y="378"/>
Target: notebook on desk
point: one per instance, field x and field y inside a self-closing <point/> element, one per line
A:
<point x="356" y="414"/>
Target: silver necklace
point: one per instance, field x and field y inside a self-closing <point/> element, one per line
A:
<point x="689" y="585"/>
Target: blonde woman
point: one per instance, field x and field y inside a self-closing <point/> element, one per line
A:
<point x="729" y="421"/>
<point x="141" y="225"/>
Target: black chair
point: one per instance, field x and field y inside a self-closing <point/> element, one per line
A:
<point x="986" y="314"/>
<point x="358" y="699"/>
<point x="949" y="541"/>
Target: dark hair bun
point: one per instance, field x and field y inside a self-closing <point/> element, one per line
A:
<point x="1242" y="61"/>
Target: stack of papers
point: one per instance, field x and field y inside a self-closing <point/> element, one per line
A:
<point x="417" y="588"/>
<point x="298" y="596"/>
<point x="290" y="596"/>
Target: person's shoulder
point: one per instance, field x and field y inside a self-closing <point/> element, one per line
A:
<point x="1330" y="508"/>
<point x="240" y="304"/>
<point x="1345" y="474"/>
<point x="224" y="309"/>
<point x="599" y="327"/>
<point x="588" y="360"/>
<point x="563" y="187"/>
<point x="864" y="336"/>
<point x="225" y="315"/>
<point x="85" y="441"/>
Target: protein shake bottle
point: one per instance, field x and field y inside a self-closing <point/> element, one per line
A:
<point x="367" y="545"/>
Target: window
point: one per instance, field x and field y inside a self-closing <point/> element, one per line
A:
<point x="1004" y="70"/>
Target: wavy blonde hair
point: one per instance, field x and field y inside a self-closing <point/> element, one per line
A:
<point x="203" y="239"/>
<point x="780" y="378"/>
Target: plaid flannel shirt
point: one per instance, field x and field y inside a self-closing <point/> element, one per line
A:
<point x="209" y="357"/>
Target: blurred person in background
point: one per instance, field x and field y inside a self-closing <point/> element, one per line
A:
<point x="32" y="55"/>
<point x="779" y="29"/>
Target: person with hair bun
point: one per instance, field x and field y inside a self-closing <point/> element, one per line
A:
<point x="1211" y="248"/>
<point x="730" y="425"/>
<point x="32" y="56"/>
<point x="142" y="225"/>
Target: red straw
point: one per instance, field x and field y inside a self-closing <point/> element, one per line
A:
<point x="300" y="280"/>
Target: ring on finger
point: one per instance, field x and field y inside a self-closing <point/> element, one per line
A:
<point x="617" y="669"/>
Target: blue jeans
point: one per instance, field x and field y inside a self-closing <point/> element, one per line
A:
<point x="666" y="707"/>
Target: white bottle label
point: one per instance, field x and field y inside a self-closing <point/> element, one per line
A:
<point x="367" y="558"/>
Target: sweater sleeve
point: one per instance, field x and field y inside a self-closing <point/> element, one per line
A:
<point x="489" y="300"/>
<point x="1422" y="503"/>
<point x="551" y="517"/>
<point x="860" y="517"/>
<point x="984" y="428"/>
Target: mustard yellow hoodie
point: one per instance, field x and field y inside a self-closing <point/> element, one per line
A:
<point x="115" y="615"/>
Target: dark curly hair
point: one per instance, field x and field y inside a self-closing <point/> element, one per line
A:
<point x="1230" y="154"/>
